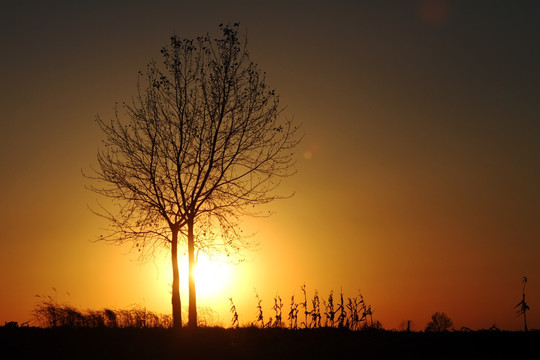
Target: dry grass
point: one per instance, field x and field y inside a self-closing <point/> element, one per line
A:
<point x="51" y="314"/>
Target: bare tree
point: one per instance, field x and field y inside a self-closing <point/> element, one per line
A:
<point x="201" y="145"/>
<point x="439" y="322"/>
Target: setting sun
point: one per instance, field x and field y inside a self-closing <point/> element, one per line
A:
<point x="212" y="275"/>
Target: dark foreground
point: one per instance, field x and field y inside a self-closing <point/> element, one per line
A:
<point x="251" y="343"/>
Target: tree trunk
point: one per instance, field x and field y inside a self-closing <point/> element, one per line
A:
<point x="176" y="304"/>
<point x="192" y="316"/>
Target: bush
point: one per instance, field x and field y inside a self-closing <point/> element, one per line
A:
<point x="439" y="322"/>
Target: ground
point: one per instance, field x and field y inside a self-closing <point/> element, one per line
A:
<point x="252" y="343"/>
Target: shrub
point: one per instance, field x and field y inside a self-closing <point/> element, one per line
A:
<point x="439" y="322"/>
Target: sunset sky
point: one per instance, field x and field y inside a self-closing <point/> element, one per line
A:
<point x="418" y="178"/>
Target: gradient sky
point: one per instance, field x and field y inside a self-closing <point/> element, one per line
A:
<point x="418" y="179"/>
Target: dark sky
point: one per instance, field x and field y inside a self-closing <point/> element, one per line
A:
<point x="421" y="154"/>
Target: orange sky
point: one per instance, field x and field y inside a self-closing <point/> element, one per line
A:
<point x="417" y="179"/>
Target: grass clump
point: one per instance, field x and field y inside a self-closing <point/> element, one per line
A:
<point x="50" y="314"/>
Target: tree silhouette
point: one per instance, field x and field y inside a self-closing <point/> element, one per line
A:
<point x="439" y="322"/>
<point x="522" y="305"/>
<point x="200" y="145"/>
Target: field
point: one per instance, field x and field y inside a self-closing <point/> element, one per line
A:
<point x="255" y="343"/>
<point x="336" y="330"/>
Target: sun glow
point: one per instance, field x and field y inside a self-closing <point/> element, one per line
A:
<point x="212" y="276"/>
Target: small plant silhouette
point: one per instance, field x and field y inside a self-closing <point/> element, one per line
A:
<point x="304" y="305"/>
<point x="316" y="312"/>
<point x="341" y="310"/>
<point x="235" y="315"/>
<point x="522" y="305"/>
<point x="366" y="311"/>
<point x="406" y="325"/>
<point x="329" y="311"/>
<point x="353" y="321"/>
<point x="293" y="314"/>
<point x="278" y="305"/>
<point x="260" y="318"/>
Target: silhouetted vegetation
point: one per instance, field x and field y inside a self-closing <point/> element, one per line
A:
<point x="49" y="313"/>
<point x="202" y="143"/>
<point x="235" y="323"/>
<point x="353" y="315"/>
<point x="343" y="329"/>
<point x="278" y="306"/>
<point x="522" y="305"/>
<point x="14" y="324"/>
<point x="260" y="316"/>
<point x="439" y="322"/>
<point x="293" y="315"/>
